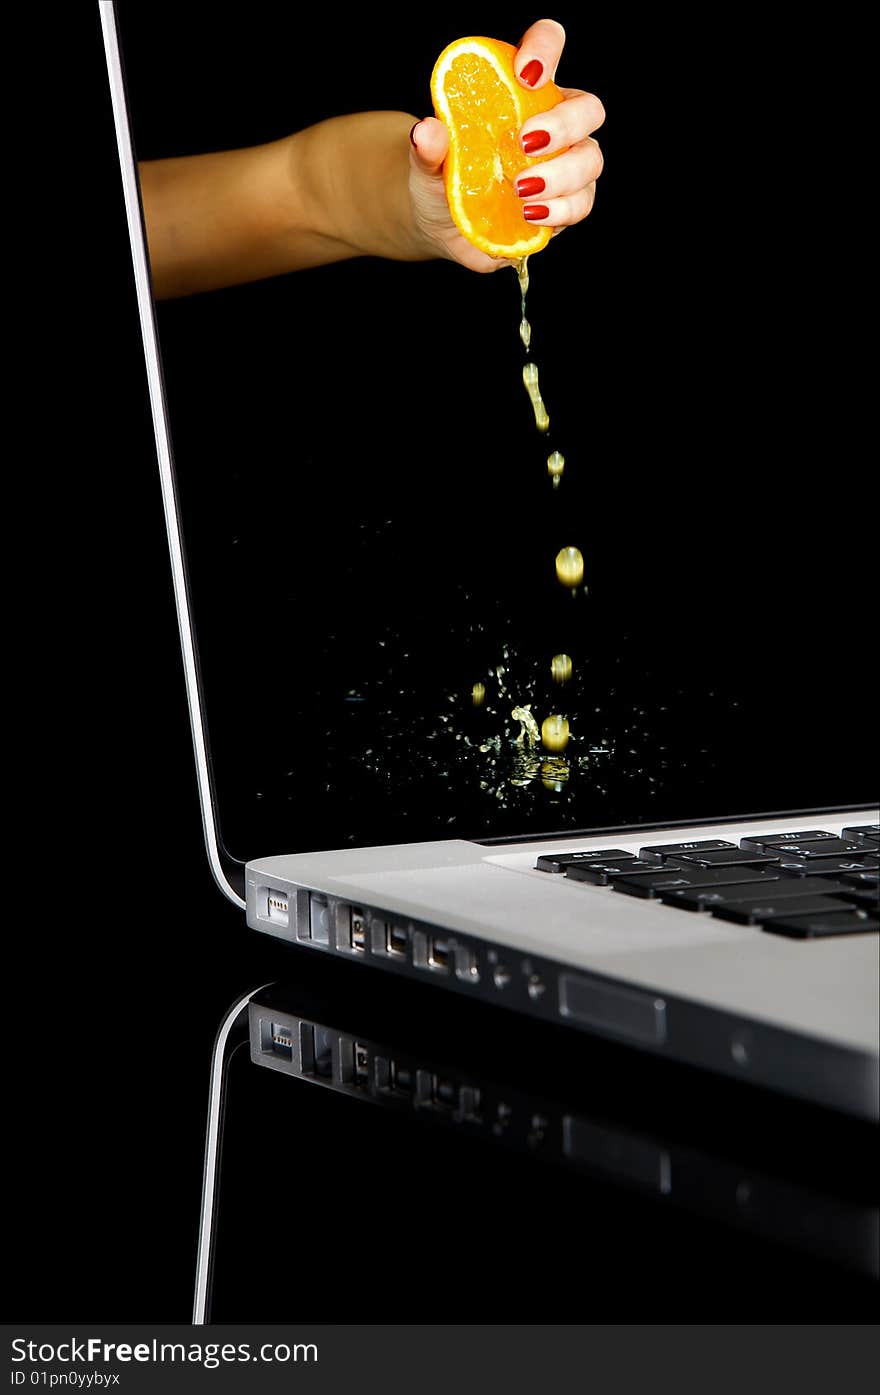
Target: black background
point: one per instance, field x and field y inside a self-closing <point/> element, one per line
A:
<point x="365" y="503"/>
<point x="113" y="920"/>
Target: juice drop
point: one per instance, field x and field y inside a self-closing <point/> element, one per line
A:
<point x="570" y="567"/>
<point x="554" y="732"/>
<point x="530" y="379"/>
<point x="478" y="694"/>
<point x="522" y="275"/>
<point x="560" y="668"/>
<point x="555" y="467"/>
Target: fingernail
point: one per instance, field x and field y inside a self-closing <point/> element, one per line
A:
<point x="413" y="131"/>
<point x="535" y="140"/>
<point x="532" y="71"/>
<point x="536" y="210"/>
<point x="527" y="188"/>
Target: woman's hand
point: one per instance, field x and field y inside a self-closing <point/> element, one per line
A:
<point x="344" y="188"/>
<point x="555" y="194"/>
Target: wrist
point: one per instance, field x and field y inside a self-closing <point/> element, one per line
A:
<point x="348" y="187"/>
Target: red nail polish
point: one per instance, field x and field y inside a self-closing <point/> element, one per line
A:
<point x="528" y="188"/>
<point x="535" y="140"/>
<point x="536" y="210"/>
<point x="532" y="71"/>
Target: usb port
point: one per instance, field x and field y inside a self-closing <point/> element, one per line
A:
<point x="361" y="1061"/>
<point x="277" y="907"/>
<point x="439" y="953"/>
<point x="320" y="919"/>
<point x="396" y="940"/>
<point x="401" y="1079"/>
<point x="358" y="931"/>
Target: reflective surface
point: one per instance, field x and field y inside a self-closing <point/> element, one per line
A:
<point x="382" y="1159"/>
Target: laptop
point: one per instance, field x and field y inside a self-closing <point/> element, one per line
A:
<point x="362" y="533"/>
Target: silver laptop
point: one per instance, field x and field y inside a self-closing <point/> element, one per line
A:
<point x="368" y="607"/>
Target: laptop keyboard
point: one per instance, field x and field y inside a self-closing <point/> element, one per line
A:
<point x="805" y="885"/>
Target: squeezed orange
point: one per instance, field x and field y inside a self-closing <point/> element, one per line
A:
<point x="477" y="96"/>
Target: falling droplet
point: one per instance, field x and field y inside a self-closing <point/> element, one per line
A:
<point x="478" y="694"/>
<point x="555" y="467"/>
<point x="525" y="333"/>
<point x="554" y="733"/>
<point x="570" y="566"/>
<point x="530" y="379"/>
<point x="560" y="668"/>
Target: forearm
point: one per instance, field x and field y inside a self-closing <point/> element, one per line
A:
<point x="335" y="190"/>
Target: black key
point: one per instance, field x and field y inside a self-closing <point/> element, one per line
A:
<point x="660" y="851"/>
<point x="827" y="847"/>
<point x="755" y="911"/>
<point x="819" y="927"/>
<point x="600" y="873"/>
<point x="764" y="840"/>
<point x="869" y="879"/>
<point x="826" y="867"/>
<point x="686" y="878"/>
<point x="729" y="857"/>
<point x="866" y="833"/>
<point x="867" y="898"/>
<point x="785" y="888"/>
<point x="698" y="900"/>
<point x="557" y="862"/>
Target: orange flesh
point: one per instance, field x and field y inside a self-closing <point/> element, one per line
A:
<point x="486" y="123"/>
<point x="485" y="112"/>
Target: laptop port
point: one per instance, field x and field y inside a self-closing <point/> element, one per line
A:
<point x="466" y="965"/>
<point x="469" y="1104"/>
<point x="281" y="1041"/>
<point x="358" y="931"/>
<point x="277" y="907"/>
<point x="382" y="1073"/>
<point x="443" y="1093"/>
<point x="439" y="953"/>
<point x="501" y="976"/>
<point x="361" y="1062"/>
<point x="317" y="1051"/>
<point x="319" y="920"/>
<point x="396" y="941"/>
<point x="401" y="1079"/>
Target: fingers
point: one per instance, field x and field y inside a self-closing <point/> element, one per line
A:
<point x="562" y="212"/>
<point x="579" y="166"/>
<point x="539" y="52"/>
<point x="430" y="141"/>
<point x="566" y="124"/>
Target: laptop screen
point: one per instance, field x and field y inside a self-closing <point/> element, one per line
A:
<point x="405" y="629"/>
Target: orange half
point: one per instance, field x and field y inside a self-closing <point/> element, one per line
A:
<point x="479" y="100"/>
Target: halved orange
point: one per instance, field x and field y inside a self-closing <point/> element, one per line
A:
<point x="477" y="96"/>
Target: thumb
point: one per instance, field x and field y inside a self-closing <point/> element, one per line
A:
<point x="539" y="52"/>
<point x="430" y="141"/>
